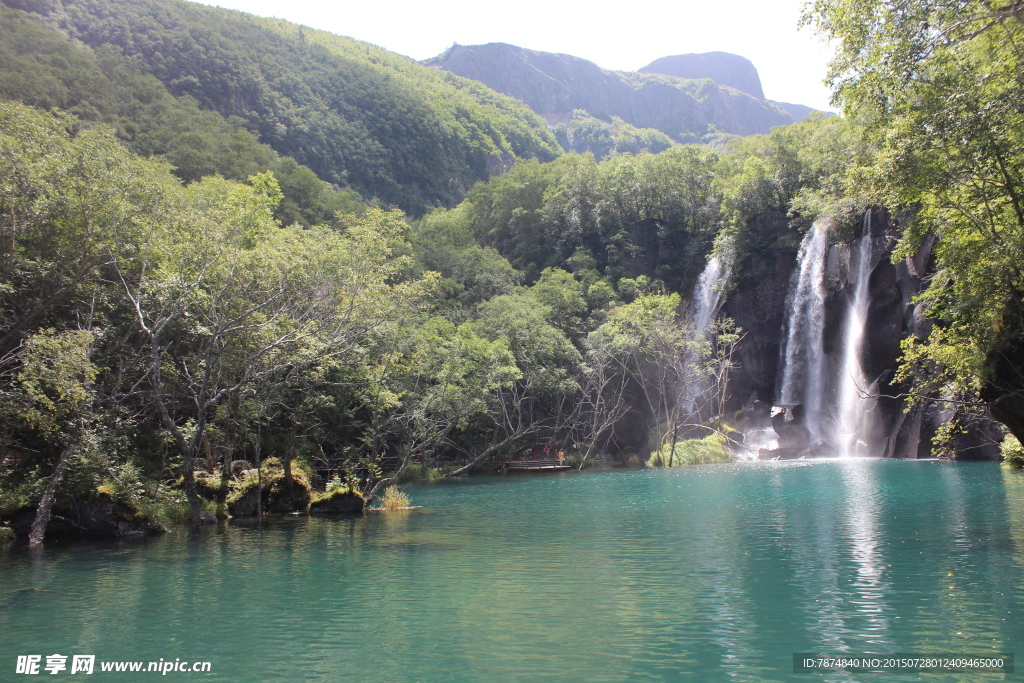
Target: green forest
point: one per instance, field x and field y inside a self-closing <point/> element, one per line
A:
<point x="244" y="255"/>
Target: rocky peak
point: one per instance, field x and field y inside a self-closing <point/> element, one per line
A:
<point x="723" y="68"/>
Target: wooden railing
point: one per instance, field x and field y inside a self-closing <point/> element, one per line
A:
<point x="546" y="464"/>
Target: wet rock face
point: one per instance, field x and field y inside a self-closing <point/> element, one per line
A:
<point x="792" y="429"/>
<point x="283" y="498"/>
<point x="757" y="304"/>
<point x="206" y="517"/>
<point x="630" y="432"/>
<point x="278" y="497"/>
<point x="247" y="504"/>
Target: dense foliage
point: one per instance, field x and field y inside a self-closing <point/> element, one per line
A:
<point x="657" y="216"/>
<point x="152" y="330"/>
<point x="42" y="68"/>
<point x="586" y="133"/>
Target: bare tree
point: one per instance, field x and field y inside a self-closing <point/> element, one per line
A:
<point x="602" y="400"/>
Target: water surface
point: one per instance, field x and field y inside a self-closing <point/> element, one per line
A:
<point x="716" y="573"/>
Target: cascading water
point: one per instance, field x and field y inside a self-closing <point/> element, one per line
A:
<point x="855" y="405"/>
<point x="803" y="378"/>
<point x="707" y="300"/>
<point x="707" y="295"/>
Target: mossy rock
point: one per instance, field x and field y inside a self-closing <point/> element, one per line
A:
<point x="208" y="486"/>
<point x="338" y="501"/>
<point x="277" y="497"/>
<point x="7" y="534"/>
<point x="285" y="498"/>
<point x="243" y="498"/>
<point x="244" y="502"/>
<point x="99" y="515"/>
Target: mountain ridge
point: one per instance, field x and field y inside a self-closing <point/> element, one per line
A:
<point x="687" y="109"/>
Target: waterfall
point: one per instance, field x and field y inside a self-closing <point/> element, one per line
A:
<point x="803" y="376"/>
<point x="854" y="410"/>
<point x="707" y="295"/>
<point x="707" y="299"/>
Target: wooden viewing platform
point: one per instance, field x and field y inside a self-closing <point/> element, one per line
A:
<point x="537" y="465"/>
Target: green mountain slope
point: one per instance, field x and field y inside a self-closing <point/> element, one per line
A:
<point x="354" y="113"/>
<point x="42" y="68"/>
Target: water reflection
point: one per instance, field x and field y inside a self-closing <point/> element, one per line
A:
<point x="864" y="503"/>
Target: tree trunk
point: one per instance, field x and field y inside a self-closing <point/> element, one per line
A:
<point x="42" y="518"/>
<point x="188" y="450"/>
<point x="259" y="482"/>
<point x="289" y="454"/>
<point x="675" y="438"/>
<point x="225" y="473"/>
<point x="210" y="463"/>
<point x="372" y="493"/>
<point x="190" y="488"/>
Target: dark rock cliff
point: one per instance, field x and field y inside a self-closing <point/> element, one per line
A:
<point x="556" y="84"/>
<point x="757" y="303"/>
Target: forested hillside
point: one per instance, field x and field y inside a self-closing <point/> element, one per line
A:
<point x="41" y="68"/>
<point x="355" y="114"/>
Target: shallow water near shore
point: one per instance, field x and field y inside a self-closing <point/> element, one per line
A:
<point x="711" y="573"/>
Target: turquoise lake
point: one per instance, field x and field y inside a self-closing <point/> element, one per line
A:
<point x="714" y="573"/>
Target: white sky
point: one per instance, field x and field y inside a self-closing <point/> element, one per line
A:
<point x="623" y="36"/>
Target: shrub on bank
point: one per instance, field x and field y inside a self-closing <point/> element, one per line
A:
<point x="574" y="460"/>
<point x="706" y="451"/>
<point x="418" y="473"/>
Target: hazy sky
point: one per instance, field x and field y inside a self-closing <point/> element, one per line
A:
<point x="623" y="35"/>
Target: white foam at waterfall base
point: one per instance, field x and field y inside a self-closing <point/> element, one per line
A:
<point x="855" y="410"/>
<point x="803" y="375"/>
